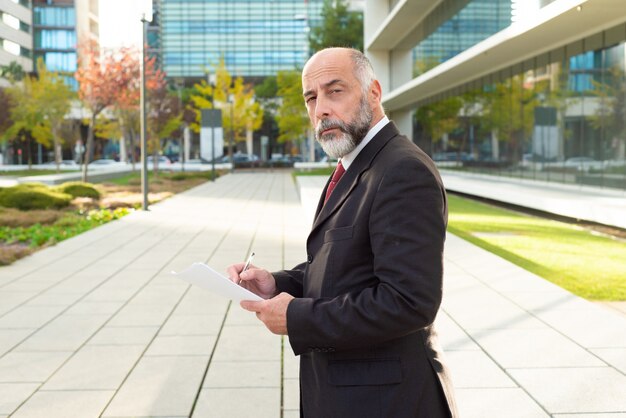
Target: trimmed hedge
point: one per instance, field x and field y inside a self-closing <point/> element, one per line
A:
<point x="79" y="189"/>
<point x="30" y="196"/>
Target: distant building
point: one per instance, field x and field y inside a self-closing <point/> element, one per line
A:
<point x="255" y="38"/>
<point x="59" y="27"/>
<point x="462" y="28"/>
<point x="527" y="88"/>
<point x="16" y="39"/>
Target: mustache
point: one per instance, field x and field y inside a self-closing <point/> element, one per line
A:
<point x="330" y="124"/>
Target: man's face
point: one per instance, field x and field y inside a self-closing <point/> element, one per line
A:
<point x="337" y="107"/>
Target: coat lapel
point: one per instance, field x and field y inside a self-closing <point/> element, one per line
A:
<point x="351" y="177"/>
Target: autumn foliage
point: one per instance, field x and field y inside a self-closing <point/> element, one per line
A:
<point x="111" y="78"/>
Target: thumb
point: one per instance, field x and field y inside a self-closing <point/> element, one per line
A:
<point x="250" y="305"/>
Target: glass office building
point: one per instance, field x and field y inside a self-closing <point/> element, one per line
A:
<point x="515" y="88"/>
<point x="473" y="23"/>
<point x="58" y="25"/>
<point x="16" y="33"/>
<point x="255" y="38"/>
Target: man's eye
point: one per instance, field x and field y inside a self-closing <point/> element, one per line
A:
<point x="308" y="99"/>
<point x="336" y="91"/>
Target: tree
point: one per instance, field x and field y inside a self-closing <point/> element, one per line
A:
<point x="610" y="113"/>
<point x="101" y="78"/>
<point x="233" y="98"/>
<point x="339" y="27"/>
<point x="27" y="121"/>
<point x="509" y="111"/>
<point x="12" y="72"/>
<point x="268" y="89"/>
<point x="39" y="105"/>
<point x="56" y="99"/>
<point x="5" y="116"/>
<point x="440" y="118"/>
<point x="292" y="118"/>
<point x="164" y="117"/>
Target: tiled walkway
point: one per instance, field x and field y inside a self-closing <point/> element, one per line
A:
<point x="96" y="326"/>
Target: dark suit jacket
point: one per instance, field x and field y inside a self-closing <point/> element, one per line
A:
<point x="368" y="294"/>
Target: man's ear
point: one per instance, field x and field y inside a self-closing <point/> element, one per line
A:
<point x="376" y="91"/>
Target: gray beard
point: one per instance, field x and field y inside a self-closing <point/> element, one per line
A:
<point x="352" y="134"/>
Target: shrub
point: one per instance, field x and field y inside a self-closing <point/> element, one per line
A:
<point x="79" y="189"/>
<point x="13" y="218"/>
<point x="28" y="197"/>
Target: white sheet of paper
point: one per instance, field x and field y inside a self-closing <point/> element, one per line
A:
<point x="204" y="276"/>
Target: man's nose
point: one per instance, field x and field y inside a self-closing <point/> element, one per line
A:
<point x="322" y="108"/>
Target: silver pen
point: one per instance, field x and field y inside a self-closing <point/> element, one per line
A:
<point x="247" y="265"/>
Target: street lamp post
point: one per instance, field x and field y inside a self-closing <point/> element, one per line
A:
<point x="230" y="137"/>
<point x="146" y="17"/>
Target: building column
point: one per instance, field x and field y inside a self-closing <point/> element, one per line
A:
<point x="374" y="15"/>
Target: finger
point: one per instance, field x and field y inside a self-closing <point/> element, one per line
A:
<point x="250" y="305"/>
<point x="233" y="272"/>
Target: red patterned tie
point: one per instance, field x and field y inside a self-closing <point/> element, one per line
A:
<point x="334" y="180"/>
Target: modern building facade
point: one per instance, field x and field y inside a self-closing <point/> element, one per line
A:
<point x="59" y="28"/>
<point x="256" y="38"/>
<point x="16" y="39"/>
<point x="538" y="90"/>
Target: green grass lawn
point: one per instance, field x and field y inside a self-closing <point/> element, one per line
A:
<point x="26" y="172"/>
<point x="584" y="262"/>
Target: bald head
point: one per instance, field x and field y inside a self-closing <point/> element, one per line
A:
<point x="360" y="65"/>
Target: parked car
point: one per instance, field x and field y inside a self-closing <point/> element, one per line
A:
<point x="62" y="164"/>
<point x="104" y="162"/>
<point x="162" y="159"/>
<point x="242" y="160"/>
<point x="583" y="164"/>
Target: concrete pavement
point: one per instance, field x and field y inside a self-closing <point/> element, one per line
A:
<point x="602" y="205"/>
<point x="97" y="327"/>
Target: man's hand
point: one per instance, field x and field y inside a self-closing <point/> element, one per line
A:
<point x="272" y="312"/>
<point x="256" y="280"/>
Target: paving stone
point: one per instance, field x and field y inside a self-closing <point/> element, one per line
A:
<point x="474" y="369"/>
<point x="13" y="394"/>
<point x="615" y="357"/>
<point x="29" y="316"/>
<point x="238" y="403"/>
<point x="497" y="403"/>
<point x="179" y="324"/>
<point x="159" y="386"/>
<point x="522" y="348"/>
<point x="95" y="368"/>
<point x="9" y="338"/>
<point x="616" y="415"/>
<point x="140" y="316"/>
<point x="236" y="344"/>
<point x="94" y="308"/>
<point x="199" y="301"/>
<point x="582" y="326"/>
<point x="64" y="333"/>
<point x="571" y="390"/>
<point x="239" y="374"/>
<point x="451" y="336"/>
<point x="182" y="345"/>
<point x="124" y="336"/>
<point x="291" y="363"/>
<point x="9" y="300"/>
<point x="30" y="367"/>
<point x="160" y="294"/>
<point x="239" y="316"/>
<point x="64" y="404"/>
<point x="549" y="300"/>
<point x="291" y="394"/>
<point x="49" y="298"/>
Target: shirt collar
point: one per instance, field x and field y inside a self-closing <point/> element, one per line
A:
<point x="347" y="159"/>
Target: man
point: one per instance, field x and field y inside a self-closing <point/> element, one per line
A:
<point x="360" y="310"/>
